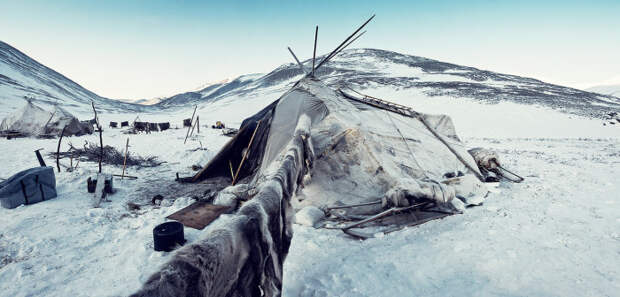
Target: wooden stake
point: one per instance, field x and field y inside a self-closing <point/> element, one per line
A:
<point x="125" y="160"/>
<point x="190" y="126"/>
<point x="247" y="151"/>
<point x="198" y="124"/>
<point x="100" y="136"/>
<point x="58" y="150"/>
<point x="193" y="126"/>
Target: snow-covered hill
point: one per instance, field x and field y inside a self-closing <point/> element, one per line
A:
<point x="612" y="90"/>
<point x="371" y="68"/>
<point x="22" y="76"/>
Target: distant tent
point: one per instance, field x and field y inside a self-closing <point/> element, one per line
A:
<point x="33" y="120"/>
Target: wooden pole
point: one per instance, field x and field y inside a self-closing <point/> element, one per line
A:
<point x="301" y="66"/>
<point x="247" y="151"/>
<point x="343" y="43"/>
<point x="100" y="136"/>
<point x="192" y="132"/>
<point x="100" y="148"/>
<point x="316" y="33"/>
<point x="198" y="124"/>
<point x="190" y="126"/>
<point x="456" y="154"/>
<point x="125" y="160"/>
<point x="58" y="149"/>
<point x="232" y="175"/>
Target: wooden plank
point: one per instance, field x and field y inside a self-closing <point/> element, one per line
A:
<point x="99" y="190"/>
<point x="199" y="214"/>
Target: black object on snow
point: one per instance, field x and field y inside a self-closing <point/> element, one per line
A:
<point x="125" y="124"/>
<point x="91" y="185"/>
<point x="167" y="235"/>
<point x="164" y="126"/>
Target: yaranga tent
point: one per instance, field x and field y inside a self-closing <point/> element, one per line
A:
<point x="313" y="147"/>
<point x="312" y="151"/>
<point x="33" y="120"/>
<point x="363" y="152"/>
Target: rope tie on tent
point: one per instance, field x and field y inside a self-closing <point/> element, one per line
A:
<point x="407" y="145"/>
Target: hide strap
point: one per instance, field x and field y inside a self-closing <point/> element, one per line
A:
<point x="24" y="191"/>
<point x="40" y="188"/>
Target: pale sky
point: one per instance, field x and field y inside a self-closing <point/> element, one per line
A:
<point x="146" y="49"/>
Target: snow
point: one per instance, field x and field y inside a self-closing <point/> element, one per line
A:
<point x="609" y="89"/>
<point x="556" y="234"/>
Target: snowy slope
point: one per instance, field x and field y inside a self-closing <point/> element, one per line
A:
<point x="371" y="68"/>
<point x="22" y="76"/>
<point x="613" y="90"/>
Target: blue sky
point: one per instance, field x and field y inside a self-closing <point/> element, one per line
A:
<point x="144" y="49"/>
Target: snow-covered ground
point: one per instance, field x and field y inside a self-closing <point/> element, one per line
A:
<point x="556" y="234"/>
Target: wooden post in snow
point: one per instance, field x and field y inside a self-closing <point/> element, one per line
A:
<point x="100" y="136"/>
<point x="125" y="160"/>
<point x="58" y="150"/>
<point x="198" y="124"/>
<point x="190" y="126"/>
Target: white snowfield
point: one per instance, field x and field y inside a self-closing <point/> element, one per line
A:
<point x="555" y="234"/>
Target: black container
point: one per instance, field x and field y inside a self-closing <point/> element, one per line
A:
<point x="167" y="235"/>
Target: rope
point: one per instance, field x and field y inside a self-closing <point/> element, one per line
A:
<point x="407" y="145"/>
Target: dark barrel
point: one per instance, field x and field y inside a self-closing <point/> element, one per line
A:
<point x="167" y="235"/>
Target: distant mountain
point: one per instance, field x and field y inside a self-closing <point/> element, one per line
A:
<point x="612" y="90"/>
<point x="21" y="77"/>
<point x="211" y="91"/>
<point x="369" y="68"/>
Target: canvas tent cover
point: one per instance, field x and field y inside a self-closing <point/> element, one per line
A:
<point x="33" y="120"/>
<point x="363" y="152"/>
